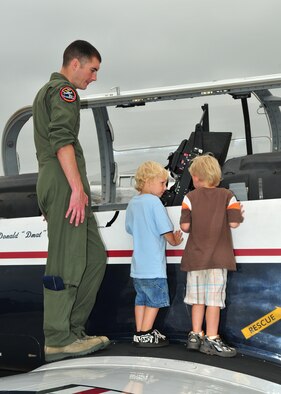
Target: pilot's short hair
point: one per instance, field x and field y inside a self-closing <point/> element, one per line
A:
<point x="206" y="168"/>
<point x="148" y="171"/>
<point x="80" y="50"/>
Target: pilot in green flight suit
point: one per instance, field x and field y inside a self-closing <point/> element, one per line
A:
<point x="76" y="254"/>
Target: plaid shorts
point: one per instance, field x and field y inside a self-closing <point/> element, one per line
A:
<point x="206" y="287"/>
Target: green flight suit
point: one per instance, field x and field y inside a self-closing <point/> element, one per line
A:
<point x="76" y="254"/>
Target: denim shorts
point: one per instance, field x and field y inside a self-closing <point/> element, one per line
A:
<point x="152" y="292"/>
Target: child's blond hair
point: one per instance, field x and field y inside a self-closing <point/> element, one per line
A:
<point x="207" y="169"/>
<point x="148" y="171"/>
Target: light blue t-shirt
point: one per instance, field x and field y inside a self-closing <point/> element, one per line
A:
<point x="147" y="220"/>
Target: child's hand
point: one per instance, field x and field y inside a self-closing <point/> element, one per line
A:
<point x="175" y="238"/>
<point x="178" y="237"/>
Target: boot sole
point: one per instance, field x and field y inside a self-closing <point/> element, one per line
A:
<point x="61" y="356"/>
<point x="105" y="344"/>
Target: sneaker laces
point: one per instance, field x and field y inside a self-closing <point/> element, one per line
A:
<point x="223" y="345"/>
<point x="158" y="334"/>
<point x="192" y="337"/>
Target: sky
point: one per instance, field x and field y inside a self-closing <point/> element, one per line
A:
<point x="147" y="43"/>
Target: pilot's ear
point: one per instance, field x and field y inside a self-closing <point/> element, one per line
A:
<point x="75" y="64"/>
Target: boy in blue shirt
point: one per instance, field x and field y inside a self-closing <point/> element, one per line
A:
<point x="149" y="224"/>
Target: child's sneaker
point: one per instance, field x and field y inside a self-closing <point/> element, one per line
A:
<point x="216" y="347"/>
<point x="151" y="339"/>
<point x="194" y="341"/>
<point x="160" y="338"/>
<point x="136" y="338"/>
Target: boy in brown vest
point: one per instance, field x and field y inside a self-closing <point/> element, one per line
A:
<point x="208" y="213"/>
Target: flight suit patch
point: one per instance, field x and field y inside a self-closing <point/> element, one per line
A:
<point x="68" y="94"/>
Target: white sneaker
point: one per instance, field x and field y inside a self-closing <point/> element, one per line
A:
<point x="151" y="339"/>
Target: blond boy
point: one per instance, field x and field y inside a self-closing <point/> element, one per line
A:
<point x="148" y="222"/>
<point x="207" y="214"/>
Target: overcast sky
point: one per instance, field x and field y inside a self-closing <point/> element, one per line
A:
<point x="144" y="43"/>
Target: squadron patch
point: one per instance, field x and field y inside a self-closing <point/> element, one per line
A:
<point x="68" y="94"/>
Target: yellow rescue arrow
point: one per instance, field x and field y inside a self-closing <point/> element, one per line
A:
<point x="260" y="324"/>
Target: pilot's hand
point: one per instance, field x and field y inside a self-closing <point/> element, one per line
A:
<point x="76" y="209"/>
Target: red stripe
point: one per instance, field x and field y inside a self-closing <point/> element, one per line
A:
<point x="128" y="253"/>
<point x="23" y="255"/>
<point x="119" y="253"/>
<point x="257" y="252"/>
<point x="179" y="252"/>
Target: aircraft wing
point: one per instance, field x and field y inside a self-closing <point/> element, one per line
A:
<point x="133" y="375"/>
